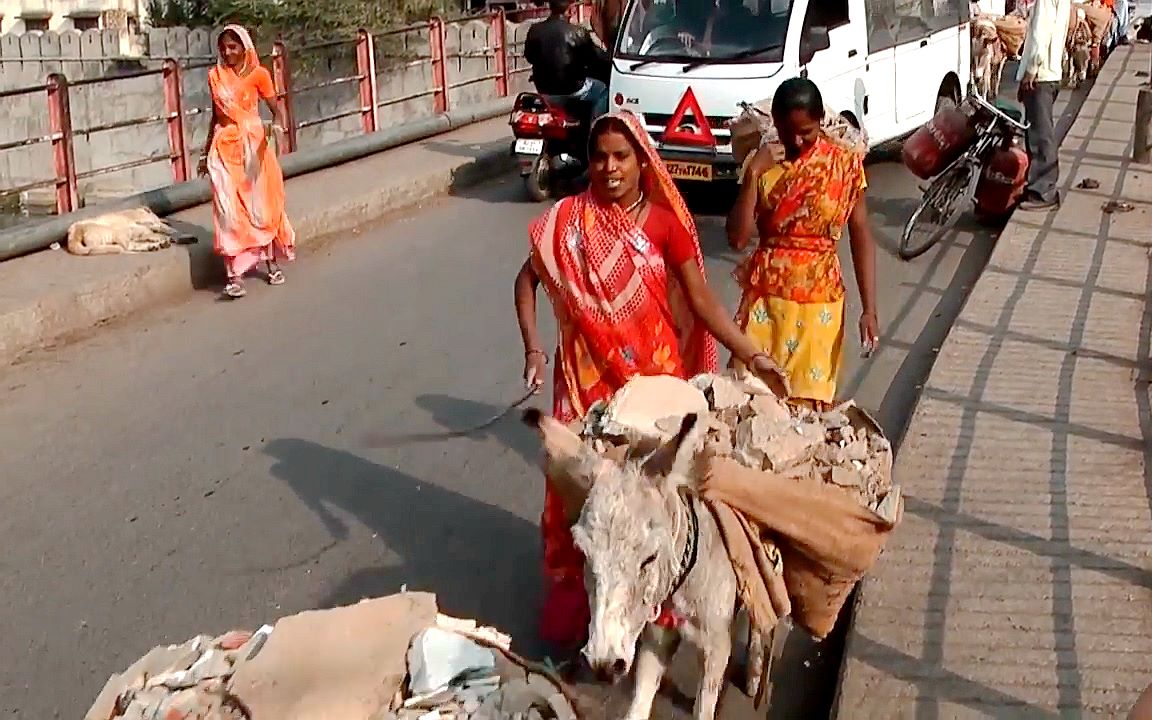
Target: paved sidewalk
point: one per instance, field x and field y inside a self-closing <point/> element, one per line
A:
<point x="1020" y="583"/>
<point x="51" y="296"/>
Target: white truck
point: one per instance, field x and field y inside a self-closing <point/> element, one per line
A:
<point x="684" y="66"/>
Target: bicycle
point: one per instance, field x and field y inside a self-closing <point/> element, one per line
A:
<point x="939" y="207"/>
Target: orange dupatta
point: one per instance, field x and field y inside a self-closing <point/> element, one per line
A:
<point x="620" y="313"/>
<point x="611" y="290"/>
<point x="247" y="184"/>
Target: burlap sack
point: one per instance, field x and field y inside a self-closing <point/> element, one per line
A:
<point x="1013" y="31"/>
<point x="753" y="127"/>
<point x="1099" y="19"/>
<point x="827" y="538"/>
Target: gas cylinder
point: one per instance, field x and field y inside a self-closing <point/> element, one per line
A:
<point x="1002" y="182"/>
<point x="940" y="141"/>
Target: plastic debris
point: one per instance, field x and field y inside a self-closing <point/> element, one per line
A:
<point x="439" y="658"/>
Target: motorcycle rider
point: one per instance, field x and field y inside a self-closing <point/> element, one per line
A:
<point x="567" y="64"/>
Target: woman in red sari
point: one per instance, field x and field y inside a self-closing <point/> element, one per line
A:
<point x="622" y="266"/>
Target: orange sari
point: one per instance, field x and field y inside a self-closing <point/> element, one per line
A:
<point x="792" y="304"/>
<point x="620" y="313"/>
<point x="248" y="199"/>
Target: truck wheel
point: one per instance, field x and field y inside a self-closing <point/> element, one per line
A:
<point x="948" y="97"/>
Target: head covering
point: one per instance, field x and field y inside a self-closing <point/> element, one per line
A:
<point x="251" y="57"/>
<point x="593" y="258"/>
<point x="656" y="181"/>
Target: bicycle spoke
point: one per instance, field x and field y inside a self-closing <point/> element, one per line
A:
<point x="936" y="213"/>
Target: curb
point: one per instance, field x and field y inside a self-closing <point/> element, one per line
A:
<point x="61" y="309"/>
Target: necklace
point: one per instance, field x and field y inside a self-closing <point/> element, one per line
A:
<point x="632" y="208"/>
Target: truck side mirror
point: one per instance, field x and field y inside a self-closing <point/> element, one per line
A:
<point x="815" y="39"/>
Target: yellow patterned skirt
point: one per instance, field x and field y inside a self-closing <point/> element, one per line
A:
<point x="803" y="338"/>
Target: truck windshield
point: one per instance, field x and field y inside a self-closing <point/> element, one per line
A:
<point x="705" y="31"/>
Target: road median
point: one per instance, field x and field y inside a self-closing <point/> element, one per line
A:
<point x="50" y="297"/>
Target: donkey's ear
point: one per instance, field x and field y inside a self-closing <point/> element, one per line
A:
<point x="559" y="441"/>
<point x="689" y="439"/>
<point x="675" y="462"/>
<point x="565" y="453"/>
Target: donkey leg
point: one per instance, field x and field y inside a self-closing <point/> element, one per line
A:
<point x="756" y="662"/>
<point x="717" y="651"/>
<point x="657" y="645"/>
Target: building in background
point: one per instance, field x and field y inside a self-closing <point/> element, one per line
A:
<point x="22" y="16"/>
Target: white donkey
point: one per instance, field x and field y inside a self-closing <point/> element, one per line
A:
<point x="650" y="542"/>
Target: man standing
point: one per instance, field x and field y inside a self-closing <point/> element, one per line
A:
<point x="1040" y="74"/>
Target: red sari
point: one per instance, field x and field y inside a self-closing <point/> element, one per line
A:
<point x="620" y="313"/>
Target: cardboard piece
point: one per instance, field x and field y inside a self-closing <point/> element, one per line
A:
<point x="347" y="663"/>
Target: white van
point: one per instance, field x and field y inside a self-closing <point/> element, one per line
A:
<point x="884" y="64"/>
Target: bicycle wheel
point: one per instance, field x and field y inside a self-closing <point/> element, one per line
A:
<point x="936" y="212"/>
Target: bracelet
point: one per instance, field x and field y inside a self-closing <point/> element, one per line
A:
<point x="541" y="353"/>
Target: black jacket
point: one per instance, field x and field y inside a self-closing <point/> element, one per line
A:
<point x="563" y="56"/>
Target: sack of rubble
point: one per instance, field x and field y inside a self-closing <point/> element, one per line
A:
<point x="1099" y="18"/>
<point x="821" y="482"/>
<point x="389" y="658"/>
<point x="1013" y="31"/>
<point x="754" y="128"/>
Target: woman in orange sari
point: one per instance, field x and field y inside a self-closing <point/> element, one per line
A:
<point x="622" y="266"/>
<point x="250" y="223"/>
<point x="792" y="305"/>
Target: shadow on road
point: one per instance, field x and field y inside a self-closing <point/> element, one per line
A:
<point x="457" y="414"/>
<point x="470" y="553"/>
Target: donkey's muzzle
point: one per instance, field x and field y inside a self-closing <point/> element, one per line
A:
<point x="610" y="670"/>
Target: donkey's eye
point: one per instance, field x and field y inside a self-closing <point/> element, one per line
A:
<point x="648" y="561"/>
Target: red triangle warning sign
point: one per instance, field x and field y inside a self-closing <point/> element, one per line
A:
<point x="681" y="131"/>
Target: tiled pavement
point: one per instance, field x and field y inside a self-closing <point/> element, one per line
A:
<point x="1020" y="582"/>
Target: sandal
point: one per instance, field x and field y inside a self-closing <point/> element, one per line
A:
<point x="235" y="288"/>
<point x="275" y="274"/>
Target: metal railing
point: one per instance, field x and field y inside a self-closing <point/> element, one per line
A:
<point x="365" y="78"/>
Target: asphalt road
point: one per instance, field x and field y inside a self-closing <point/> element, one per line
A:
<point x="202" y="467"/>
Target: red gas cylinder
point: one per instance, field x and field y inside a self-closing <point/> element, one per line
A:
<point x="1001" y="183"/>
<point x="940" y="141"/>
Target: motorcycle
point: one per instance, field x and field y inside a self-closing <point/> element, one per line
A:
<point x="550" y="143"/>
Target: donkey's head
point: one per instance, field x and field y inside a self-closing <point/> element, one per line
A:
<point x="632" y="532"/>
<point x="984" y="33"/>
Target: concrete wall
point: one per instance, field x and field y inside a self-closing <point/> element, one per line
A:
<point x="403" y="71"/>
<point x="20" y="16"/>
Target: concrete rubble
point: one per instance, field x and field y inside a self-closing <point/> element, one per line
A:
<point x="748" y="423"/>
<point x="392" y="658"/>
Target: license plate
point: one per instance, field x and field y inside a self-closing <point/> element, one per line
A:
<point x="529" y="147"/>
<point x="690" y="171"/>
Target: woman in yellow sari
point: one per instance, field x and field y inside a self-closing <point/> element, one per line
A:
<point x="792" y="305"/>
<point x="249" y="219"/>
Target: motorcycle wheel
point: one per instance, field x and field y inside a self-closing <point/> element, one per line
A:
<point x="537" y="181"/>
